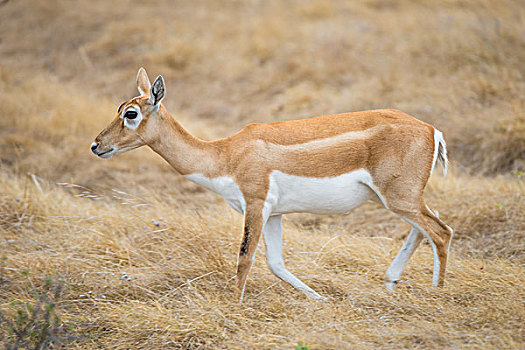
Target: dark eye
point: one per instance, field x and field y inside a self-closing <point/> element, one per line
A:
<point x="130" y="115"/>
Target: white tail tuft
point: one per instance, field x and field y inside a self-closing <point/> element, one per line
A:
<point x="440" y="152"/>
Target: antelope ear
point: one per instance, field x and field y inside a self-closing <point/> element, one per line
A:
<point x="157" y="91"/>
<point x="143" y="84"/>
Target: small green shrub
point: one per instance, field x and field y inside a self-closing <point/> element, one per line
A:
<point x="35" y="325"/>
<point x="302" y="346"/>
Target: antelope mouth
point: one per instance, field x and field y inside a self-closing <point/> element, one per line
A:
<point x="106" y="154"/>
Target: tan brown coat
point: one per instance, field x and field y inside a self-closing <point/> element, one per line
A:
<point x="395" y="149"/>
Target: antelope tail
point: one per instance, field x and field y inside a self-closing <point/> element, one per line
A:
<point x="440" y="152"/>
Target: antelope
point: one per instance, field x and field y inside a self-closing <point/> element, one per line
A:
<point x="324" y="165"/>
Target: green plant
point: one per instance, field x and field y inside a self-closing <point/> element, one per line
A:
<point x="302" y="346"/>
<point x="35" y="325"/>
<point x="519" y="174"/>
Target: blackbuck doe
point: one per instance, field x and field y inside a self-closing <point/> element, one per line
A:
<point x="324" y="165"/>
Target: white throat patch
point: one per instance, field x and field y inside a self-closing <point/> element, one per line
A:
<point x="224" y="186"/>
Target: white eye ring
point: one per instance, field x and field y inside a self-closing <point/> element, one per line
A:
<point x="132" y="117"/>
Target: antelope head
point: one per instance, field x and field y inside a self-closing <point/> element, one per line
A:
<point x="136" y="122"/>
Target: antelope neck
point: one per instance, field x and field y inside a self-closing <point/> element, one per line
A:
<point x="184" y="152"/>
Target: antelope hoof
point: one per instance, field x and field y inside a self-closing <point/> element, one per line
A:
<point x="390" y="285"/>
<point x="316" y="296"/>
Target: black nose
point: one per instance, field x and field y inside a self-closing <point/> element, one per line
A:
<point x="94" y="147"/>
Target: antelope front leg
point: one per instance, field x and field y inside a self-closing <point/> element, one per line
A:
<point x="273" y="236"/>
<point x="254" y="219"/>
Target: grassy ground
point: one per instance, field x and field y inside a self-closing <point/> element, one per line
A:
<point x="146" y="258"/>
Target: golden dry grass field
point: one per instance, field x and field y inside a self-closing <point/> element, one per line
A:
<point x="145" y="258"/>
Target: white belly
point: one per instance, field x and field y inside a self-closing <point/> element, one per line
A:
<point x="329" y="195"/>
<point x="296" y="194"/>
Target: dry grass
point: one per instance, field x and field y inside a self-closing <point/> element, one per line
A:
<point x="65" y="67"/>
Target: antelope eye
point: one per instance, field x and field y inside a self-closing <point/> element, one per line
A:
<point x="130" y="115"/>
